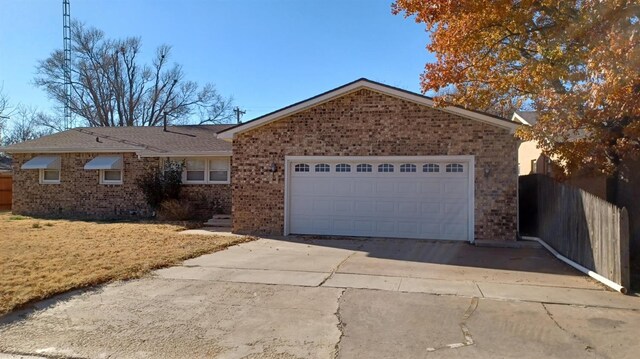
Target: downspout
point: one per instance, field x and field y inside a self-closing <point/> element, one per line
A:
<point x="609" y="283"/>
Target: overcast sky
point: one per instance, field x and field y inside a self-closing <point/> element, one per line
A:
<point x="267" y="54"/>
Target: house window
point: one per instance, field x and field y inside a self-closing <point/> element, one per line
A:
<point x="219" y="170"/>
<point x="323" y="167"/>
<point x="431" y="167"/>
<point x="364" y="167"/>
<point x="110" y="176"/>
<point x="49" y="176"/>
<point x="195" y="169"/>
<point x="454" y="167"/>
<point x="343" y="167"/>
<point x="206" y="170"/>
<point x="385" y="167"/>
<point x="301" y="167"/>
<point x="407" y="167"/>
<point x="534" y="167"/>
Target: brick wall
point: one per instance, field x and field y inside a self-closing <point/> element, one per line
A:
<point x="80" y="194"/>
<point x="367" y="123"/>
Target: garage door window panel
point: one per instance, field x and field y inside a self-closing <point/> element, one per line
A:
<point x="364" y="168"/>
<point x="454" y="168"/>
<point x="322" y="167"/>
<point x="431" y="168"/>
<point x="343" y="167"/>
<point x="386" y="168"/>
<point x="301" y="167"/>
<point x="407" y="167"/>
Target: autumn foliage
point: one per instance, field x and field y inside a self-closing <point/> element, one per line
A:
<point x="576" y="62"/>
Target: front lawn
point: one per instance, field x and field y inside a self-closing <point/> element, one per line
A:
<point x="40" y="258"/>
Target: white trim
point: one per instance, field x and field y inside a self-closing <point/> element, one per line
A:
<point x="112" y="182"/>
<point x="518" y="118"/>
<point x="207" y="170"/>
<point x="357" y="85"/>
<point x="469" y="159"/>
<point x="44" y="181"/>
<point x="67" y="150"/>
<point x="188" y="154"/>
<point x="139" y="152"/>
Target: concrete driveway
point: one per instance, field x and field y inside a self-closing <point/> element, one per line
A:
<point x="324" y="298"/>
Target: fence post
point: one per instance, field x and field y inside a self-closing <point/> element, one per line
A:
<point x="625" y="273"/>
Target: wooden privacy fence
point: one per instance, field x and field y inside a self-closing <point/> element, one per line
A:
<point x="5" y="193"/>
<point x="582" y="227"/>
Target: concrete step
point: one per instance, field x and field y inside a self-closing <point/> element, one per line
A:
<point x="219" y="221"/>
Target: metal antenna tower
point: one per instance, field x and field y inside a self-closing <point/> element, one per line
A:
<point x="66" y="39"/>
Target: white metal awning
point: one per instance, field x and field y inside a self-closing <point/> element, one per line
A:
<point x="104" y="163"/>
<point x="42" y="163"/>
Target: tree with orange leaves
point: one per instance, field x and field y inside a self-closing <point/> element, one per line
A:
<point x="576" y="62"/>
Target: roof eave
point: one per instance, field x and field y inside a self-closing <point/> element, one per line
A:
<point x="64" y="150"/>
<point x="354" y="86"/>
<point x="187" y="154"/>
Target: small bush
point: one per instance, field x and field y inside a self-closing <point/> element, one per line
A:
<point x="36" y="225"/>
<point x="175" y="210"/>
<point x="161" y="184"/>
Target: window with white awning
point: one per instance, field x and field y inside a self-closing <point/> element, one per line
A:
<point x="49" y="167"/>
<point x="105" y="163"/>
<point x="110" y="168"/>
<point x="42" y="163"/>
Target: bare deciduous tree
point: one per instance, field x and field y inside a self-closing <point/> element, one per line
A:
<point x="26" y="124"/>
<point x="111" y="88"/>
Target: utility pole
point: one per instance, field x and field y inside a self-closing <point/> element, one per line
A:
<point x="238" y="113"/>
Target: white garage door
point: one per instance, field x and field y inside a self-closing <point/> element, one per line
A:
<point x="403" y="197"/>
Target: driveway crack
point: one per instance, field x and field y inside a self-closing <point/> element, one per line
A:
<point x="587" y="345"/>
<point x="340" y="325"/>
<point x="334" y="270"/>
<point x="468" y="339"/>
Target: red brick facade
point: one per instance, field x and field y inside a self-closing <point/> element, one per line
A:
<point x="367" y="123"/>
<point x="79" y="193"/>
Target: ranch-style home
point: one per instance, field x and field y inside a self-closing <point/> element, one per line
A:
<point x="363" y="159"/>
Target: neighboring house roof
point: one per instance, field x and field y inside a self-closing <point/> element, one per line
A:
<point x="5" y="164"/>
<point x="359" y="84"/>
<point x="525" y="117"/>
<point x="145" y="141"/>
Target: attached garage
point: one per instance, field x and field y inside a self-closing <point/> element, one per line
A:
<point x="427" y="197"/>
<point x="367" y="159"/>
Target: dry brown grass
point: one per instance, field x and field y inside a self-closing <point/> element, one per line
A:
<point x="40" y="258"/>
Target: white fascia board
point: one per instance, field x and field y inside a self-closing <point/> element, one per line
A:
<point x="404" y="95"/>
<point x="68" y="150"/>
<point x="228" y="135"/>
<point x="519" y="118"/>
<point x="188" y="154"/>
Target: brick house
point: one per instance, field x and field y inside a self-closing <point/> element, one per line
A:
<point x="364" y="159"/>
<point x="92" y="172"/>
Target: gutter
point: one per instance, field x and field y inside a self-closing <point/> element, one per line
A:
<point x="609" y="283"/>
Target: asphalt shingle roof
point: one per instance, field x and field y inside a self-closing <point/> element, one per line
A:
<point x="146" y="141"/>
